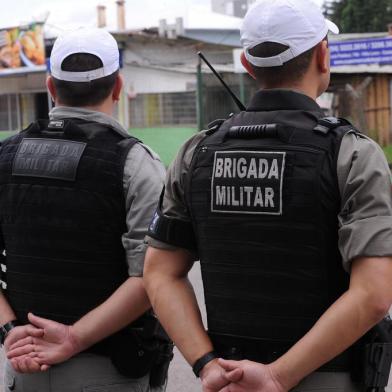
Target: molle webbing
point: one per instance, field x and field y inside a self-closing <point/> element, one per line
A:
<point x="63" y="236"/>
<point x="264" y="205"/>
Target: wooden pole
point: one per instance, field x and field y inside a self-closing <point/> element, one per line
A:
<point x="359" y="97"/>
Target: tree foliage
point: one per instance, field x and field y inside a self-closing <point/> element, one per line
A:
<point x="359" y="16"/>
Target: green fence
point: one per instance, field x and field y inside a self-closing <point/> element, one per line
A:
<point x="164" y="141"/>
<point x="388" y="153"/>
<point x="5" y="134"/>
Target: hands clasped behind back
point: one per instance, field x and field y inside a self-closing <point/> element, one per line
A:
<point x="37" y="346"/>
<point x="247" y="376"/>
<point x="213" y="377"/>
<point x="21" y="335"/>
<point x="239" y="376"/>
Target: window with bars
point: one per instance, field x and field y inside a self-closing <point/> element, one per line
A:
<point x="157" y="110"/>
<point x="9" y="112"/>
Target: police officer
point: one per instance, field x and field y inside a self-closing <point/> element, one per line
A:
<point x="76" y="196"/>
<point x="290" y="214"/>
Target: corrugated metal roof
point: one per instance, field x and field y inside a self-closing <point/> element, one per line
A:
<point x="187" y="68"/>
<point x="227" y="37"/>
<point x="231" y="38"/>
<point x="224" y="37"/>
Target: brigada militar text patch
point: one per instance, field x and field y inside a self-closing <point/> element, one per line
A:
<point x="248" y="182"/>
<point x="48" y="158"/>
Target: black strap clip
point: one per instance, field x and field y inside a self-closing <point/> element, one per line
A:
<point x="327" y="124"/>
<point x="214" y="126"/>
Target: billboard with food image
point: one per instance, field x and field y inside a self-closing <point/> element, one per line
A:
<point x="22" y="47"/>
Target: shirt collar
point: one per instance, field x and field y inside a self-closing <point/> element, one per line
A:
<point x="63" y="112"/>
<point x="282" y="99"/>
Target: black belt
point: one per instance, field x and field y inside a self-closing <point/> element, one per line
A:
<point x="265" y="351"/>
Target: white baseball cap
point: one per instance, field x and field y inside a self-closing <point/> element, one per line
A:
<point x="85" y="40"/>
<point x="298" y="24"/>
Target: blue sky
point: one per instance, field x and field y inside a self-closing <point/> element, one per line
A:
<point x="67" y="14"/>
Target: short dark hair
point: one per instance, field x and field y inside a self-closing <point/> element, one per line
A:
<point x="84" y="93"/>
<point x="292" y="71"/>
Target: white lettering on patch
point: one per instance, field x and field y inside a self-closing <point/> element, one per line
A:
<point x="248" y="182"/>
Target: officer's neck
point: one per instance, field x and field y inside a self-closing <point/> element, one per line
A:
<point x="310" y="91"/>
<point x="106" y="107"/>
<point x="311" y="84"/>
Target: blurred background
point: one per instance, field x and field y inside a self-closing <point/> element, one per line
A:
<point x="169" y="95"/>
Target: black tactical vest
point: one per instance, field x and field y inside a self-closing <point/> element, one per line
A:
<point x="62" y="216"/>
<point x="264" y="201"/>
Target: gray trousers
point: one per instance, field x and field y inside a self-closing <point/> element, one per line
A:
<point x="327" y="382"/>
<point x="83" y="373"/>
<point x="332" y="382"/>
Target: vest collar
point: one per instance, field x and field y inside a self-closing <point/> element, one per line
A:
<point x="281" y="99"/>
<point x="64" y="112"/>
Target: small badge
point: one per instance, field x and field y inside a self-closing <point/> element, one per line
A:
<point x="154" y="223"/>
<point x="248" y="182"/>
<point x="56" y="124"/>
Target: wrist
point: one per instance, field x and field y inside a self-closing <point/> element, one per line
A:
<point x="207" y="368"/>
<point x="6" y="328"/>
<point x="75" y="341"/>
<point x="202" y="362"/>
<point x="281" y="377"/>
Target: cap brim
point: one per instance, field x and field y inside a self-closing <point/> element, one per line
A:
<point x="332" y="27"/>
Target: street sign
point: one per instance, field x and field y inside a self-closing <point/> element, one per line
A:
<point x="360" y="52"/>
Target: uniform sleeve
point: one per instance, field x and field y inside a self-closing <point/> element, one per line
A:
<point x="143" y="181"/>
<point x="174" y="203"/>
<point x="365" y="220"/>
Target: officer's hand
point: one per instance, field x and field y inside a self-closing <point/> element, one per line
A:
<point x="22" y="332"/>
<point x="213" y="377"/>
<point x="56" y="345"/>
<point x="256" y="377"/>
<point x="24" y="363"/>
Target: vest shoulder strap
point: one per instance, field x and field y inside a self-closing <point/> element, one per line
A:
<point x="214" y="126"/>
<point x="339" y="127"/>
<point x="327" y="124"/>
<point x="125" y="147"/>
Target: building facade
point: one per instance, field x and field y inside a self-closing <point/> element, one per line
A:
<point x="165" y="85"/>
<point x="23" y="94"/>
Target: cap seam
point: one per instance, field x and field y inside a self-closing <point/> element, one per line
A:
<point x="299" y="11"/>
